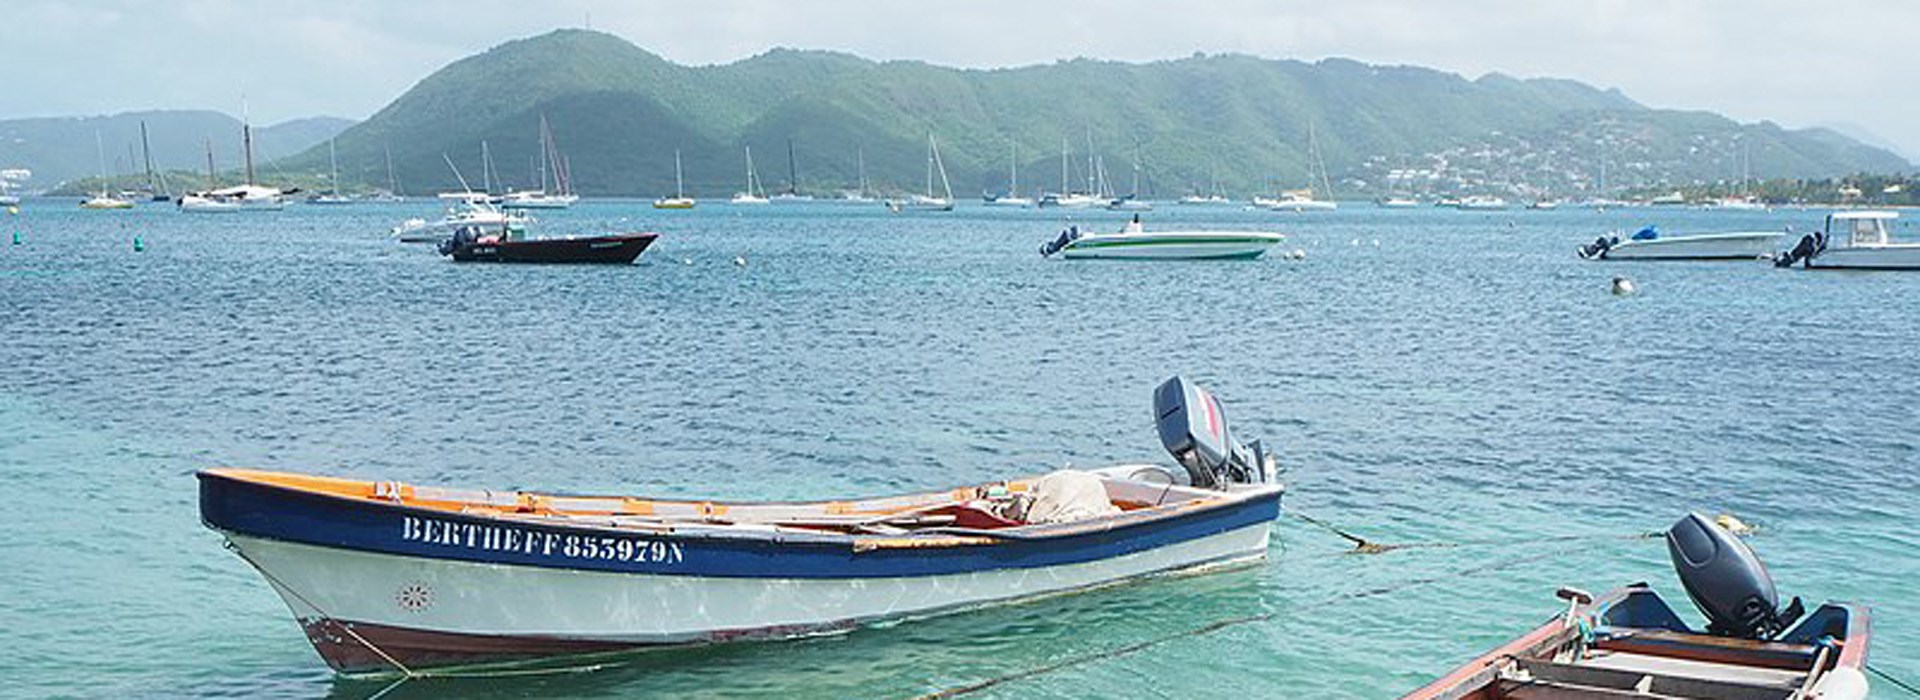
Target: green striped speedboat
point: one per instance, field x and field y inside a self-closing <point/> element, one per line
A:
<point x="1135" y="243"/>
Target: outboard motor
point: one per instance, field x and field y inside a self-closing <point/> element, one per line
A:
<point x="1809" y="246"/>
<point x="1193" y="428"/>
<point x="1726" y="581"/>
<point x="1054" y="246"/>
<point x="1598" y="247"/>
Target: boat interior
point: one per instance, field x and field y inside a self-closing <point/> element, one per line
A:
<point x="1638" y="648"/>
<point x="1130" y="489"/>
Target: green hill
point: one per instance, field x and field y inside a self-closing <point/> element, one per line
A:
<point x="619" y="112"/>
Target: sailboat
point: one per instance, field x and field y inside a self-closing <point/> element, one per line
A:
<point x="1012" y="198"/>
<point x="157" y="189"/>
<point x="753" y="195"/>
<point x="792" y="194"/>
<point x="1132" y="202"/>
<point x="247" y="197"/>
<point x="863" y="194"/>
<point x="332" y="196"/>
<point x="104" y="200"/>
<point x="928" y="202"/>
<point x="561" y="195"/>
<point x="393" y="184"/>
<point x="1068" y="197"/>
<point x="1213" y="195"/>
<point x="1302" y="200"/>
<point x="679" y="200"/>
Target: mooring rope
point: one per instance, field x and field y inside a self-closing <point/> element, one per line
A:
<point x="1209" y="628"/>
<point x="1362" y="545"/>
<point x="1897" y="683"/>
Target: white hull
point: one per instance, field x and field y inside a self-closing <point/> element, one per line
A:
<point x="747" y="199"/>
<point x="554" y="202"/>
<point x="1894" y="256"/>
<point x="1295" y="205"/>
<point x="520" y="601"/>
<point x="1710" y="246"/>
<point x="1010" y="202"/>
<point x="1072" y="201"/>
<point x="1171" y="245"/>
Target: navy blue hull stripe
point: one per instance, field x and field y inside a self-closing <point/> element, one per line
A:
<point x="279" y="513"/>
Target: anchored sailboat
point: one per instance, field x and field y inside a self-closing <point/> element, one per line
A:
<point x="753" y="194"/>
<point x="793" y="182"/>
<point x="1012" y="198"/>
<point x="679" y="200"/>
<point x="928" y="202"/>
<point x="561" y="195"/>
<point x="332" y="195"/>
<point x="104" y="200"/>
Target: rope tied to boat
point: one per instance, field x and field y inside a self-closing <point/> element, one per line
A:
<point x="1897" y="683"/>
<point x="1362" y="545"/>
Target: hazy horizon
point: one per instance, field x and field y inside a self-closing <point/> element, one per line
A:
<point x="348" y="59"/>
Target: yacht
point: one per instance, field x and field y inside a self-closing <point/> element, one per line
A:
<point x="332" y="195"/>
<point x="679" y="200"/>
<point x="1295" y="201"/>
<point x="792" y="194"/>
<point x="1398" y="202"/>
<point x="1012" y="198"/>
<point x="753" y="193"/>
<point x="250" y="196"/>
<point x="928" y="202"/>
<point x="1483" y="203"/>
<point x="465" y="209"/>
<point x="561" y="195"/>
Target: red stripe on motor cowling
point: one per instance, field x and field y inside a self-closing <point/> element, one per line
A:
<point x="1213" y="414"/>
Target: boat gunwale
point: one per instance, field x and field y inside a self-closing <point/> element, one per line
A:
<point x="709" y="530"/>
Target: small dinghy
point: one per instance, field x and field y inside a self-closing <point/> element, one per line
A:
<point x="386" y="576"/>
<point x="1650" y="244"/>
<point x="1630" y="644"/>
<point x="470" y="244"/>
<point x="1134" y="243"/>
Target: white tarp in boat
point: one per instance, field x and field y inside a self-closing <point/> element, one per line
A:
<point x="1068" y="495"/>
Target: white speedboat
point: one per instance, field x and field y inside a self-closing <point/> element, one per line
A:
<point x="1854" y="240"/>
<point x="1295" y="201"/>
<point x="1129" y="203"/>
<point x="1134" y="243"/>
<point x="1071" y="200"/>
<point x="1649" y="244"/>
<point x="1398" y="203"/>
<point x="470" y="210"/>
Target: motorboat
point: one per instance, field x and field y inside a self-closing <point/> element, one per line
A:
<point x="1295" y="201"/>
<point x="1544" y="204"/>
<point x="1853" y="240"/>
<point x="1134" y="242"/>
<point x="1129" y="203"/>
<point x="1746" y="203"/>
<point x="470" y="209"/>
<point x="928" y="202"/>
<point x="1205" y="199"/>
<point x="679" y="200"/>
<point x="1007" y="201"/>
<point x="390" y="577"/>
<point x="1629" y="643"/>
<point x="1398" y="203"/>
<point x="477" y="244"/>
<point x="1650" y="244"/>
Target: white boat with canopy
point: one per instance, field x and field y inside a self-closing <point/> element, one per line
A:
<point x="1854" y="240"/>
<point x="1134" y="242"/>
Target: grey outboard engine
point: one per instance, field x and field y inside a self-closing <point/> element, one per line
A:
<point x="1067" y="236"/>
<point x="1193" y="427"/>
<point x="1726" y="581"/>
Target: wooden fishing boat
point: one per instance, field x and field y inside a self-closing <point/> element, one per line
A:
<point x="1630" y="644"/>
<point x="386" y="576"/>
<point x="619" y="249"/>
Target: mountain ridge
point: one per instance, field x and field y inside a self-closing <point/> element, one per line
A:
<point x="619" y="111"/>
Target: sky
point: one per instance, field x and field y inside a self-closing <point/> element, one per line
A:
<point x="1836" y="63"/>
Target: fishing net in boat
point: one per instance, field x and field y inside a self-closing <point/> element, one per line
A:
<point x="1068" y="495"/>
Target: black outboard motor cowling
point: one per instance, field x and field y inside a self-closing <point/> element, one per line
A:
<point x="1193" y="428"/>
<point x="1727" y="581"/>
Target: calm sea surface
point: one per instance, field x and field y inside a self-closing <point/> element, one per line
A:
<point x="1430" y="376"/>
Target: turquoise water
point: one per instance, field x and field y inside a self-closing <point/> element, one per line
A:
<point x="1429" y="376"/>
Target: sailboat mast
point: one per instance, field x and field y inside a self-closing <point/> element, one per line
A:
<point x="333" y="167"/>
<point x="146" y="151"/>
<point x="929" y="166"/>
<point x="793" y="174"/>
<point x="679" y="184"/>
<point x="213" y="181"/>
<point x="486" y="168"/>
<point x="1063" y="165"/>
<point x="860" y="159"/>
<point x="100" y="151"/>
<point x="246" y="144"/>
<point x="393" y="186"/>
<point x="1013" y="171"/>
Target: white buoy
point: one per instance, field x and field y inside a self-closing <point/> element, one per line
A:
<point x="686" y="261"/>
<point x="739" y="261"/>
<point x="1624" y="287"/>
<point x="1297" y="254"/>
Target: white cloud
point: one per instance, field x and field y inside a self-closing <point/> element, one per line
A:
<point x="1791" y="62"/>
